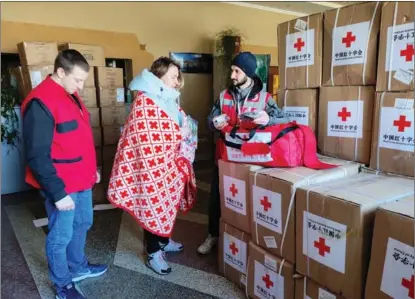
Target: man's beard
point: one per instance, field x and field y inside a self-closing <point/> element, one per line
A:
<point x="239" y="84"/>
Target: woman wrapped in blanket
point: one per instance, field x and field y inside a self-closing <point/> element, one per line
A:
<point x="151" y="178"/>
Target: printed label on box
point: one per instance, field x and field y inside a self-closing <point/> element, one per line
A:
<point x="235" y="194"/>
<point x="324" y="241"/>
<point x="267" y="209"/>
<point x="300" y="25"/>
<point x="323" y="294"/>
<point x="234" y="252"/>
<point x="345" y="119"/>
<point x="270" y="242"/>
<point x="405" y="104"/>
<point x="405" y="77"/>
<point x="120" y="95"/>
<point x="398" y="270"/>
<point x="299" y="49"/>
<point x="397" y="129"/>
<point x="349" y="44"/>
<point x="268" y="284"/>
<point x="400" y="48"/>
<point x="297" y="114"/>
<point x="35" y="78"/>
<point x="270" y="263"/>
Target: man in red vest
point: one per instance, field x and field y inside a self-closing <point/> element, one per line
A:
<point x="61" y="163"/>
<point x="243" y="104"/>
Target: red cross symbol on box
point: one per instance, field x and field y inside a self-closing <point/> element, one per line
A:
<point x="267" y="280"/>
<point x="233" y="190"/>
<point x="265" y="203"/>
<point x="233" y="248"/>
<point x="299" y="44"/>
<point x="344" y="114"/>
<point x="408" y="52"/>
<point x="322" y="247"/>
<point x="402" y="123"/>
<point x="409" y="284"/>
<point x="349" y="39"/>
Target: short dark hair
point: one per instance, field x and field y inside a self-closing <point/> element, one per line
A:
<point x="68" y="58"/>
<point x="160" y="67"/>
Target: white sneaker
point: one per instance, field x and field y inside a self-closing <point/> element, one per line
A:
<point x="172" y="246"/>
<point x="208" y="245"/>
<point x="157" y="262"/>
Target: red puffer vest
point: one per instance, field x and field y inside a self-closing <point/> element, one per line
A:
<point x="73" y="150"/>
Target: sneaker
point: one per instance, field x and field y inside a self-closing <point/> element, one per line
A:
<point x="93" y="271"/>
<point x="208" y="245"/>
<point x="69" y="292"/>
<point x="157" y="262"/>
<point x="172" y="246"/>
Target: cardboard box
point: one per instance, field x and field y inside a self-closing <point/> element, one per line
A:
<point x="334" y="224"/>
<point x="396" y="47"/>
<point x="111" y="134"/>
<point x="300" y="44"/>
<point x="393" y="133"/>
<point x="97" y="132"/>
<point x="234" y="193"/>
<point x="90" y="81"/>
<point x="391" y="271"/>
<point x="233" y="254"/>
<point x="94" y="114"/>
<point x="272" y="202"/>
<point x="109" y="77"/>
<point x="312" y="290"/>
<point x="351" y="44"/>
<point x="111" y="96"/>
<point x="37" y="53"/>
<point x="300" y="105"/>
<point x="89" y="97"/>
<point x="108" y="156"/>
<point x="345" y="122"/>
<point x="93" y="54"/>
<point x="269" y="276"/>
<point x="113" y="116"/>
<point x="34" y="75"/>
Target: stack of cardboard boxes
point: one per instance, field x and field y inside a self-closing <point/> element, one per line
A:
<point x="310" y="232"/>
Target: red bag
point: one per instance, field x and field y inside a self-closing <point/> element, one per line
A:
<point x="284" y="145"/>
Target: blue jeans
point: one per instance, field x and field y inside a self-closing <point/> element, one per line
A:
<point x="65" y="242"/>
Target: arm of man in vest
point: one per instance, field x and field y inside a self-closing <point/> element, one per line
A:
<point x="38" y="128"/>
<point x="216" y="111"/>
<point x="275" y="114"/>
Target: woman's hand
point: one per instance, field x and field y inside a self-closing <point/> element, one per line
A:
<point x="185" y="132"/>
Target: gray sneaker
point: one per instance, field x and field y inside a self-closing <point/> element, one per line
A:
<point x="207" y="246"/>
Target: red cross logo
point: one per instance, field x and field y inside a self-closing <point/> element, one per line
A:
<point x="233" y="248"/>
<point x="265" y="203"/>
<point x="268" y="282"/>
<point x="408" y="52"/>
<point x="409" y="284"/>
<point x="344" y="114"/>
<point x="349" y="39"/>
<point x="299" y="44"/>
<point x="322" y="247"/>
<point x="233" y="190"/>
<point x="402" y="123"/>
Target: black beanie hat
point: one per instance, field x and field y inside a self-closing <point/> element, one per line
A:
<point x="246" y="61"/>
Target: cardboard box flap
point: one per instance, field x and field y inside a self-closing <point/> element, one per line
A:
<point x="366" y="190"/>
<point x="404" y="206"/>
<point x="302" y="176"/>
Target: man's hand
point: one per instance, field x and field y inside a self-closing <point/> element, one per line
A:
<point x="220" y="121"/>
<point x="262" y="119"/>
<point x="98" y="178"/>
<point x="65" y="204"/>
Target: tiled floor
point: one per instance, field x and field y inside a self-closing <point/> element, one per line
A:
<point x="114" y="239"/>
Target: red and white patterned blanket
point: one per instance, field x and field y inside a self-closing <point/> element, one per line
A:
<point x="150" y="179"/>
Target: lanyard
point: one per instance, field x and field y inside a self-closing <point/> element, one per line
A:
<point x="238" y="107"/>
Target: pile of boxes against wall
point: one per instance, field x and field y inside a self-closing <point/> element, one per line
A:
<point x="347" y="232"/>
<point x="102" y="95"/>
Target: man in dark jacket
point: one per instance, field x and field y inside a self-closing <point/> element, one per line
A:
<point x="61" y="163"/>
<point x="244" y="95"/>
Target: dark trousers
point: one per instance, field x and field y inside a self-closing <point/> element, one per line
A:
<point x="214" y="204"/>
<point x="154" y="242"/>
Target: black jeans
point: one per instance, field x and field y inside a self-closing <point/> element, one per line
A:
<point x="154" y="242"/>
<point x="214" y="204"/>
